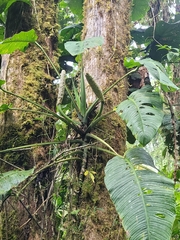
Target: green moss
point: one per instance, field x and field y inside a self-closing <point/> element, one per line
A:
<point x="29" y="74"/>
<point x="14" y="137"/>
<point x="11" y="234"/>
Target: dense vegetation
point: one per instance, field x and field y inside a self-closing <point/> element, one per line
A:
<point x="143" y="183"/>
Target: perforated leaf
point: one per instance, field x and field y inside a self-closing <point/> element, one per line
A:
<point x="142" y="112"/>
<point x="143" y="198"/>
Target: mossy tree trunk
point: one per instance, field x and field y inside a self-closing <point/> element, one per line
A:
<point x="97" y="218"/>
<point x="30" y="75"/>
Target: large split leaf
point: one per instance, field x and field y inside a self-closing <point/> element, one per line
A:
<point x="143" y="113"/>
<point x="11" y="179"/>
<point x="143" y="198"/>
<point x="18" y="42"/>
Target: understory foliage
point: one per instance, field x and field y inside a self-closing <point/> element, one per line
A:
<point x="145" y="194"/>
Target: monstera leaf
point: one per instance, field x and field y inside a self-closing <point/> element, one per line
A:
<point x="142" y="112"/>
<point x="143" y="198"/>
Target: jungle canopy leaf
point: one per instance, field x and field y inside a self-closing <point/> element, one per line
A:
<point x="76" y="7"/>
<point x="142" y="112"/>
<point x="139" y="9"/>
<point x="77" y="47"/>
<point x="5" y="4"/>
<point x="131" y="63"/>
<point x="70" y="31"/>
<point x="11" y="179"/>
<point x="17" y="42"/>
<point x="155" y="68"/>
<point x="164" y="34"/>
<point x="143" y="198"/>
<point x="158" y="72"/>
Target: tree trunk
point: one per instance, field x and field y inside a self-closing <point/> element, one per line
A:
<point x="29" y="216"/>
<point x="97" y="218"/>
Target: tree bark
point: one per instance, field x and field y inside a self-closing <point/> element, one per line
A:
<point x="29" y="74"/>
<point x="97" y="218"/>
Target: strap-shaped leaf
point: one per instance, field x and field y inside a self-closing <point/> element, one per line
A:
<point x="143" y="199"/>
<point x="143" y="113"/>
<point x="11" y="179"/>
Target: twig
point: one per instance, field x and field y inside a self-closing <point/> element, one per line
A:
<point x="32" y="217"/>
<point x="11" y="164"/>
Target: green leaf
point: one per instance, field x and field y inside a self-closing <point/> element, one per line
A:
<point x="5" y="4"/>
<point x="139" y="9"/>
<point x="76" y="94"/>
<point x="142" y="112"/>
<point x="2" y="82"/>
<point x="4" y="107"/>
<point x="82" y="95"/>
<point x="18" y="42"/>
<point x="131" y="63"/>
<point x="1" y="33"/>
<point x="157" y="70"/>
<point x="68" y="32"/>
<point x="165" y="34"/>
<point x="143" y="198"/>
<point x="95" y="87"/>
<point x="141" y="36"/>
<point x="77" y="47"/>
<point x="76" y="7"/>
<point x="61" y="130"/>
<point x="11" y="179"/>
